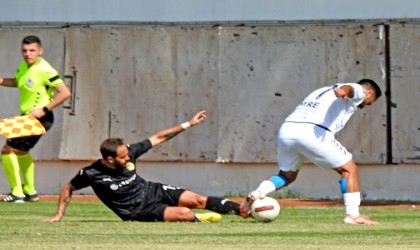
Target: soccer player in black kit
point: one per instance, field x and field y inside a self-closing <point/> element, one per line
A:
<point x="116" y="183"/>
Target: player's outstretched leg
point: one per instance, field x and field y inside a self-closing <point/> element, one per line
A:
<point x="222" y="205"/>
<point x="219" y="205"/>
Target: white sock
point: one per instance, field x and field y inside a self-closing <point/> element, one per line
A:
<point x="352" y="203"/>
<point x="265" y="188"/>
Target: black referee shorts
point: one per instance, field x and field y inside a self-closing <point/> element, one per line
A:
<point x="159" y="197"/>
<point x="28" y="142"/>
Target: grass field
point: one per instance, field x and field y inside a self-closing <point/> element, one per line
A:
<point x="90" y="225"/>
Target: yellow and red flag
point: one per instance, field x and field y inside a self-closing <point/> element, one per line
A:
<point x="21" y="126"/>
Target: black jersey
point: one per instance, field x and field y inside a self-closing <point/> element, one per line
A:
<point x="121" y="189"/>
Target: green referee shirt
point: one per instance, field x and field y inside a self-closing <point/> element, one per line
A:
<point x="36" y="84"/>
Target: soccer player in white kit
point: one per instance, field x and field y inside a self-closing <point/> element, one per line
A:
<point x="308" y="134"/>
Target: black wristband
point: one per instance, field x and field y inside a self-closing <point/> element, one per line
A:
<point x="45" y="109"/>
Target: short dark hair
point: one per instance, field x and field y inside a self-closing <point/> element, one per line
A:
<point x="31" y="39"/>
<point x="373" y="85"/>
<point x="109" y="147"/>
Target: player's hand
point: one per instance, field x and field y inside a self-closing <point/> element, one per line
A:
<point x="339" y="92"/>
<point x="38" y="113"/>
<point x="345" y="91"/>
<point x="199" y="117"/>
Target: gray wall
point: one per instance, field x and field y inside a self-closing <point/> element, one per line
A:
<point x="59" y="11"/>
<point x="405" y="89"/>
<point x="131" y="82"/>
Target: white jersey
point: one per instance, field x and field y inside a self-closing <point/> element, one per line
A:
<point x="324" y="109"/>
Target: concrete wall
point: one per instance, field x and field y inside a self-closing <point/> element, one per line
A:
<point x="52" y="11"/>
<point x="133" y="82"/>
<point x="405" y="89"/>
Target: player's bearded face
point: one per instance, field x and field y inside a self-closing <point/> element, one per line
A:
<point x="122" y="157"/>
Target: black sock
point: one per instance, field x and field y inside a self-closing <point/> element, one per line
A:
<point x="222" y="205"/>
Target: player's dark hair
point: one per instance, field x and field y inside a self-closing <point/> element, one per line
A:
<point x="109" y="147"/>
<point x="372" y="84"/>
<point x="31" y="39"/>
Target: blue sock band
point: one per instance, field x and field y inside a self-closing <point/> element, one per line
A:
<point x="278" y="181"/>
<point x="343" y="185"/>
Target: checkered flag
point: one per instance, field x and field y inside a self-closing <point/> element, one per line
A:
<point x="21" y="126"/>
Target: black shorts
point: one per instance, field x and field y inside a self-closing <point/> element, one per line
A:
<point x="160" y="197"/>
<point x="28" y="142"/>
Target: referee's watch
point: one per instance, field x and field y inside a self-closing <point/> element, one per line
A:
<point x="45" y="109"/>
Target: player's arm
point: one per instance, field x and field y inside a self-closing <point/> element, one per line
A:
<point x="62" y="94"/>
<point x="63" y="201"/>
<point x="345" y="91"/>
<point x="8" y="82"/>
<point x="169" y="133"/>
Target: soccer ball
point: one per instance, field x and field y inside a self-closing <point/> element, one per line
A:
<point x="265" y="209"/>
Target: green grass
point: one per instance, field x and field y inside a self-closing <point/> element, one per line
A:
<point x="90" y="225"/>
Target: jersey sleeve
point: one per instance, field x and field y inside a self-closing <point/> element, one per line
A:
<point x="81" y="180"/>
<point x="49" y="74"/>
<point x="54" y="79"/>
<point x="137" y="149"/>
<point x="359" y="94"/>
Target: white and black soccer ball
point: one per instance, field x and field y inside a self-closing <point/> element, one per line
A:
<point x="266" y="209"/>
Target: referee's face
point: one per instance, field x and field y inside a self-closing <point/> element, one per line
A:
<point x="31" y="52"/>
<point x="122" y="156"/>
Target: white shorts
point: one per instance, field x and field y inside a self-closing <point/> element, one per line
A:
<point x="298" y="142"/>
